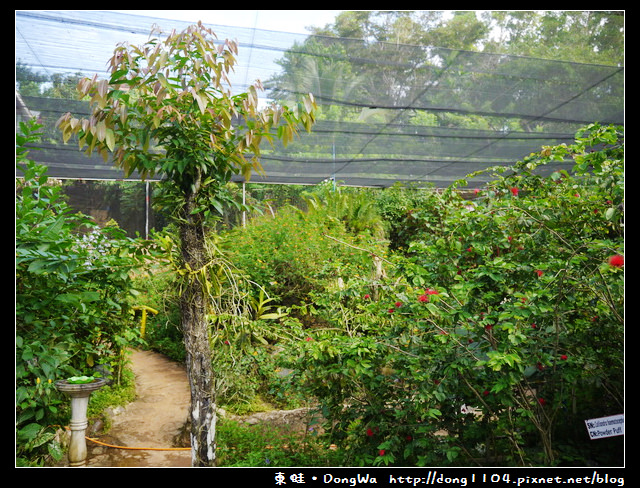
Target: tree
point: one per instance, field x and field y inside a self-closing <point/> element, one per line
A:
<point x="168" y="109"/>
<point x="580" y="36"/>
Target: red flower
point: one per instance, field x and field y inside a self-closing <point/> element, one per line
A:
<point x="542" y="401"/>
<point x="616" y="261"/>
<point x="539" y="272"/>
<point x="514" y="191"/>
<point x="308" y="339"/>
<point x="431" y="291"/>
<point x="534" y="326"/>
<point x="367" y="296"/>
<point x="564" y="357"/>
<point x="369" y="432"/>
<point x="381" y="452"/>
<point x="409" y="438"/>
<point x="423" y="298"/>
<point x="485" y="392"/>
<point x="398" y="304"/>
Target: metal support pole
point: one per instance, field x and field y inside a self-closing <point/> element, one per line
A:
<point x="244" y="202"/>
<point x="146" y="211"/>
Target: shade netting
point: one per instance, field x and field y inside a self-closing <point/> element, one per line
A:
<point x="388" y="112"/>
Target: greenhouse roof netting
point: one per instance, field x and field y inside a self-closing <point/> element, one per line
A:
<point x="388" y="112"/>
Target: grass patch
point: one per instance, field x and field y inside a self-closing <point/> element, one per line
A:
<point x="263" y="445"/>
<point x="112" y="396"/>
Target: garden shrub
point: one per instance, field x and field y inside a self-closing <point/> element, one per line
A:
<point x="244" y="324"/>
<point x="158" y="291"/>
<point x="404" y="207"/>
<point x="72" y="291"/>
<point x="499" y="330"/>
<point x="295" y="253"/>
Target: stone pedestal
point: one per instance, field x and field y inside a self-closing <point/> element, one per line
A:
<point x="79" y="394"/>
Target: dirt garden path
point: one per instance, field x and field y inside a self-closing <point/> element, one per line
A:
<point x="151" y="424"/>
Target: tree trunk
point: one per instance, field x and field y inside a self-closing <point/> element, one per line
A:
<point x="193" y="306"/>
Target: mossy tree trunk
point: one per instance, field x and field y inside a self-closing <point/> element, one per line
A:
<point x="193" y="307"/>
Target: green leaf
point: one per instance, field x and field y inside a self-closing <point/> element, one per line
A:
<point x="110" y="139"/>
<point x="36" y="266"/>
<point x="117" y="75"/>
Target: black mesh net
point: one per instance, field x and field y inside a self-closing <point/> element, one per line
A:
<point x="388" y="112"/>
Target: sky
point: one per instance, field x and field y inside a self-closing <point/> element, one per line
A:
<point x="294" y="21"/>
<point x="70" y="45"/>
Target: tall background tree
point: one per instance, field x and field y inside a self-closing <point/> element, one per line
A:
<point x="412" y="71"/>
<point x="168" y="109"/>
<point x="583" y="36"/>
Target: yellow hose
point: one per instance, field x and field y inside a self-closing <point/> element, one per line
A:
<point x="140" y="448"/>
<point x="166" y="448"/>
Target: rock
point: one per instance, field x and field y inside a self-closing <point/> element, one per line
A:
<point x="95" y="427"/>
<point x="297" y="420"/>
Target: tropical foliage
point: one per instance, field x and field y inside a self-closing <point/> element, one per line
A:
<point x="484" y="330"/>
<point x="73" y="289"/>
<point x="499" y="329"/>
<point x="447" y="327"/>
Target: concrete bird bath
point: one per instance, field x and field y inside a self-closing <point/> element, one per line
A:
<point x="79" y="389"/>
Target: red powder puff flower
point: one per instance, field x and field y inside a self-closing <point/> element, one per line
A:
<point x="514" y="191"/>
<point x="423" y="298"/>
<point x="616" y="261"/>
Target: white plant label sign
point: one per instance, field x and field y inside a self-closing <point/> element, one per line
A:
<point x="605" y="426"/>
